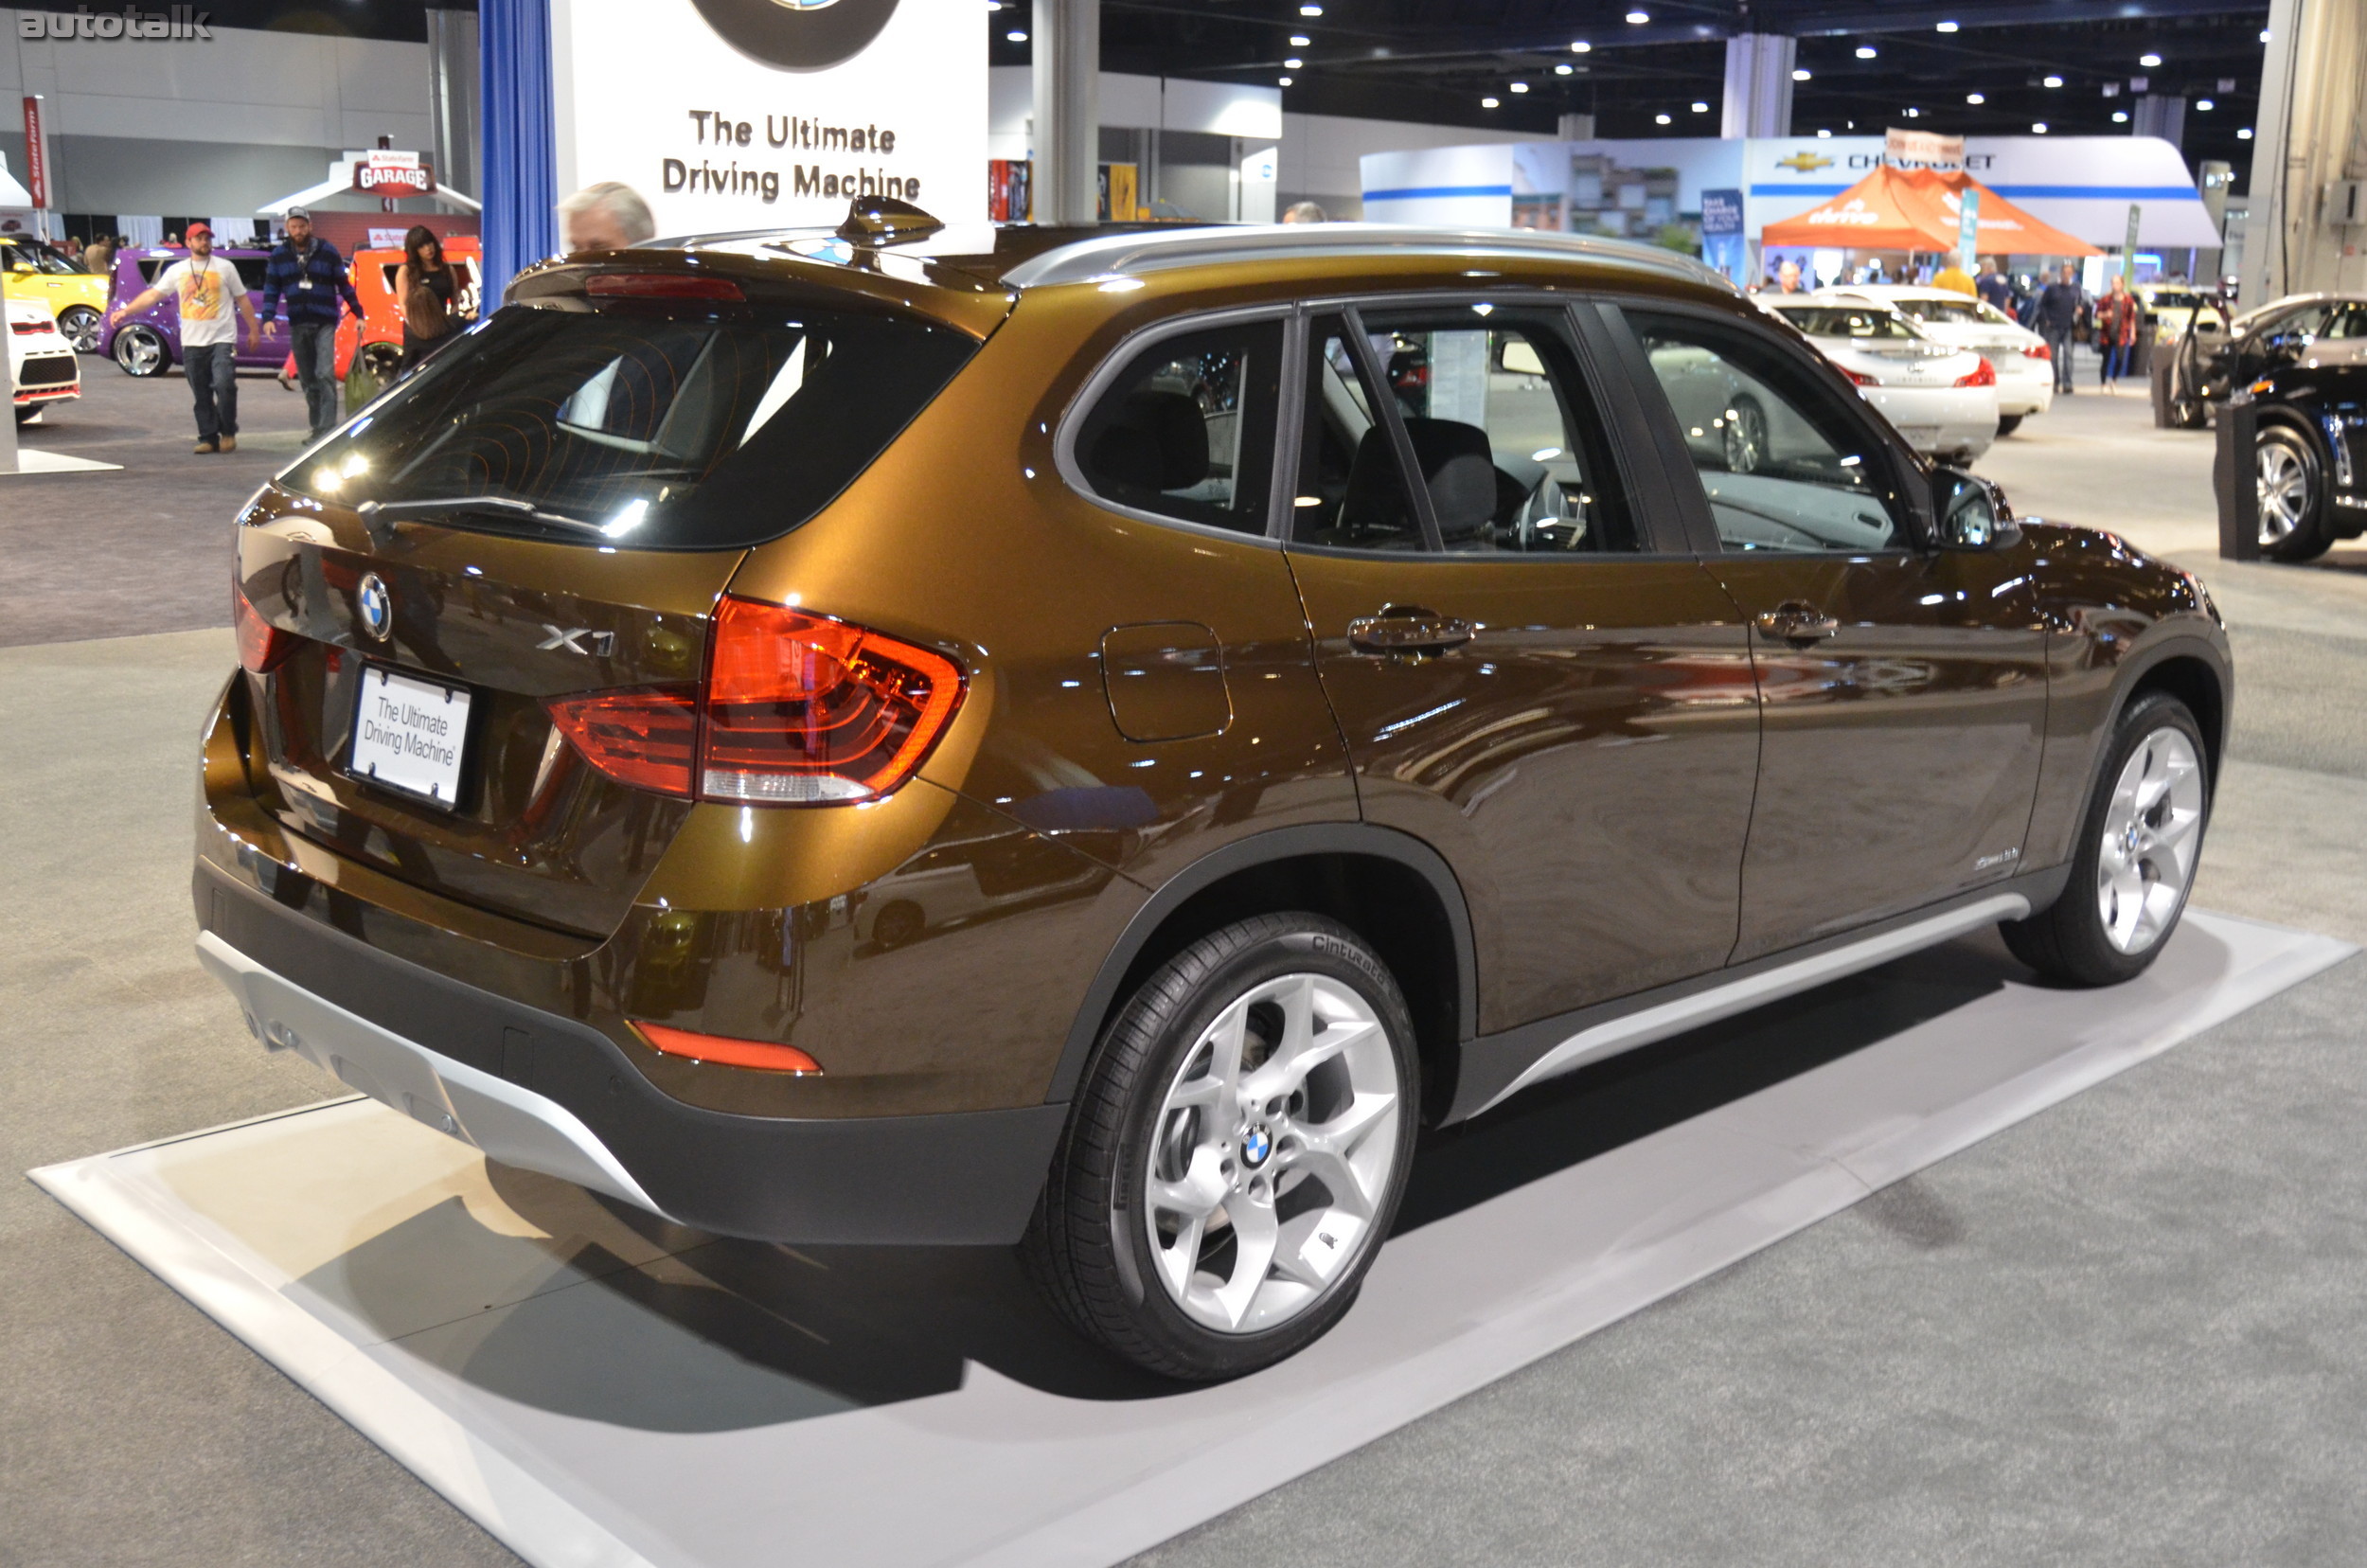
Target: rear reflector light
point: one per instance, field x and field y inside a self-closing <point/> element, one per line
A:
<point x="660" y="285"/>
<point x="803" y="710"/>
<point x="730" y="1053"/>
<point x="30" y="328"/>
<point x="262" y="647"/>
<point x="643" y="738"/>
<point x="2038" y="351"/>
<point x="1985" y="376"/>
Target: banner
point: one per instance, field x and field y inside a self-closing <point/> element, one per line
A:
<point x="750" y="113"/>
<point x="1969" y="230"/>
<point x="36" y="155"/>
<point x="383" y="174"/>
<point x="1923" y="150"/>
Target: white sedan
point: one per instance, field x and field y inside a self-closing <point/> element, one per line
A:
<point x="42" y="366"/>
<point x="2025" y="365"/>
<point x="1942" y="399"/>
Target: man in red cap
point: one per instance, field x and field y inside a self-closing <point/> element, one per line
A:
<point x="208" y="288"/>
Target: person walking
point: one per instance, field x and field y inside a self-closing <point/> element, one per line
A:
<point x="1955" y="281"/>
<point x="1995" y="288"/>
<point x="2059" y="308"/>
<point x="208" y="289"/>
<point x="2117" y="316"/>
<point x="308" y="273"/>
<point x="608" y="216"/>
<point x="427" y="293"/>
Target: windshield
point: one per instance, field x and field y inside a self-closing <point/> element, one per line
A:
<point x="668" y="431"/>
<point x="1843" y="321"/>
<point x="38" y="258"/>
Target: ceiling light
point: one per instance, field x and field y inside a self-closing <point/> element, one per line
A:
<point x="2264" y="35"/>
<point x="1660" y="119"/>
<point x="1914" y="114"/>
<point x="2149" y="61"/>
<point x="1310" y="10"/>
<point x="1975" y="97"/>
<point x="1293" y="64"/>
<point x="1488" y="103"/>
<point x="1801" y="75"/>
<point x="1282" y="82"/>
<point x="1865" y="51"/>
<point x="1300" y="41"/>
<point x="1520" y="86"/>
<point x="1825" y="135"/>
<point x="2245" y="135"/>
<point x="1701" y="108"/>
<point x="1946" y="27"/>
<point x="2112" y="89"/>
<point x="2039" y="129"/>
<point x="1637" y="18"/>
<point x="2204" y="105"/>
<point x="1016" y="36"/>
<point x="2119" y="117"/>
<point x="1581" y="46"/>
<point x="1563" y="69"/>
<point x="2051" y="81"/>
<point x="2227" y="84"/>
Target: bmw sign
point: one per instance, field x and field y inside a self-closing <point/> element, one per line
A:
<point x="377" y="605"/>
<point x="798" y="35"/>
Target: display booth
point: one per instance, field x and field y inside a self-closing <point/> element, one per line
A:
<point x="1921" y="211"/>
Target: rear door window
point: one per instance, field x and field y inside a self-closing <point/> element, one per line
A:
<point x="251" y="270"/>
<point x="1186" y="429"/>
<point x="664" y="430"/>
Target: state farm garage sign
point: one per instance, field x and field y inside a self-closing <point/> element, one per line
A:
<point x="394" y="174"/>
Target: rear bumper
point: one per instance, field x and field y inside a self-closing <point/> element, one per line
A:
<point x="544" y="1093"/>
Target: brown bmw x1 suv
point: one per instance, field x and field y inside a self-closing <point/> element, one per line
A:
<point x="1090" y="738"/>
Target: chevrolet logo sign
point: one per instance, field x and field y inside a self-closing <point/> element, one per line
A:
<point x="1804" y="162"/>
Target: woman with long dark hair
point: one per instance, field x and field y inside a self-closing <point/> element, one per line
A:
<point x="426" y="290"/>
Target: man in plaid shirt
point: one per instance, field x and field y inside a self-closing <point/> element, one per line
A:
<point x="309" y="276"/>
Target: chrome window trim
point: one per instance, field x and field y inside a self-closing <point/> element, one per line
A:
<point x="1114" y="363"/>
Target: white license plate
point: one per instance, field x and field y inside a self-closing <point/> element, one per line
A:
<point x="410" y="735"/>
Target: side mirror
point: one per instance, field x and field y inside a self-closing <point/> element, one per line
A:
<point x="1971" y="512"/>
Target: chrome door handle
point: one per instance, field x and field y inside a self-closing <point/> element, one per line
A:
<point x="1409" y="631"/>
<point x="1797" y="623"/>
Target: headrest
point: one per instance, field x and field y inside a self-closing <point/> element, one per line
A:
<point x="1157" y="441"/>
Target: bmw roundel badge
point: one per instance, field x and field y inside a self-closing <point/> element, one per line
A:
<point x="377" y="605"/>
<point x="1255" y="1147"/>
<point x="798" y="35"/>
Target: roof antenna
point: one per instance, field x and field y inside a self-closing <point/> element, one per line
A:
<point x="885" y="220"/>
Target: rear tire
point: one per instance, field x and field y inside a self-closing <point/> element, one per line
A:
<point x="82" y="326"/>
<point x="141" y="351"/>
<point x="2133" y="865"/>
<point x="2007" y="424"/>
<point x="1228" y="1171"/>
<point x="1745" y="435"/>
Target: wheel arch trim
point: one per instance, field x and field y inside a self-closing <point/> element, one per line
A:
<point x="1272" y="848"/>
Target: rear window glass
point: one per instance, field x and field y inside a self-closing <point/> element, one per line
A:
<point x="644" y="428"/>
<point x="1837" y="321"/>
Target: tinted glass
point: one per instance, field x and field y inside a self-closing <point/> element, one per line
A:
<point x="1959" y="313"/>
<point x="669" y="430"/>
<point x="1512" y="449"/>
<point x="1350" y="492"/>
<point x="1786" y="462"/>
<point x="1187" y="431"/>
<point x="251" y="271"/>
<point x="1841" y="321"/>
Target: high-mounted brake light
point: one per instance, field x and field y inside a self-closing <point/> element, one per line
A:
<point x="262" y="647"/>
<point x="759" y="1054"/>
<point x="1985" y="376"/>
<point x="804" y="709"/>
<point x="798" y="710"/>
<point x="660" y="285"/>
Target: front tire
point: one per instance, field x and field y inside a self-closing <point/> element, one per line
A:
<point x="141" y="351"/>
<point x="1237" y="1152"/>
<point x="2134" y="861"/>
<point x="2292" y="495"/>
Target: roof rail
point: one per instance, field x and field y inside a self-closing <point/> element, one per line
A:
<point x="1131" y="255"/>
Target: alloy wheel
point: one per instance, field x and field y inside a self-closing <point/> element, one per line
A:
<point x="139" y="352"/>
<point x="2284" y="491"/>
<point x="1745" y="437"/>
<point x="1273" y="1150"/>
<point x="82" y="328"/>
<point x="2153" y="830"/>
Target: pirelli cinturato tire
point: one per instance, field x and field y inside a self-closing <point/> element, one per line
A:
<point x="1236" y="1152"/>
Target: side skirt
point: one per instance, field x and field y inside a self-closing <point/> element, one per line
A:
<point x="1496" y="1067"/>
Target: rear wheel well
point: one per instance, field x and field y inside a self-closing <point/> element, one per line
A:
<point x="2194" y="683"/>
<point x="1392" y="906"/>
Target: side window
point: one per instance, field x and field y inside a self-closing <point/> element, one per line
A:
<point x="1351" y="491"/>
<point x="250" y="269"/>
<point x="151" y="267"/>
<point x="1787" y="464"/>
<point x="1187" y="431"/>
<point x="2350" y="321"/>
<point x="1512" y="449"/>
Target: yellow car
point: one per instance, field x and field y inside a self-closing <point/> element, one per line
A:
<point x="2170" y="306"/>
<point x="77" y="298"/>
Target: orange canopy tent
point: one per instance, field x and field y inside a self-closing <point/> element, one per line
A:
<point x="1898" y="209"/>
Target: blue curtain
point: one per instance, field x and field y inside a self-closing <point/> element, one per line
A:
<point x="520" y="177"/>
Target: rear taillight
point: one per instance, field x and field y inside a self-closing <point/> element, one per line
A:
<point x="2038" y="352"/>
<point x="1858" y="377"/>
<point x="644" y="739"/>
<point x="803" y="710"/>
<point x="762" y="1055"/>
<point x="799" y="710"/>
<point x="262" y="647"/>
<point x="1985" y="376"/>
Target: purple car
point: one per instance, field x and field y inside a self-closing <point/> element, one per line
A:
<point x="148" y="343"/>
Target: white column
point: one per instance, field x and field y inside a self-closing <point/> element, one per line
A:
<point x="2311" y="132"/>
<point x="1758" y="86"/>
<point x="1068" y="111"/>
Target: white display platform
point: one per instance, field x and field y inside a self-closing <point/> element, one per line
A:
<point x="30" y="461"/>
<point x="596" y="1388"/>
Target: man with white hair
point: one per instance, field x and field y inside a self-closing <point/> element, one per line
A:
<point x="608" y="216"/>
